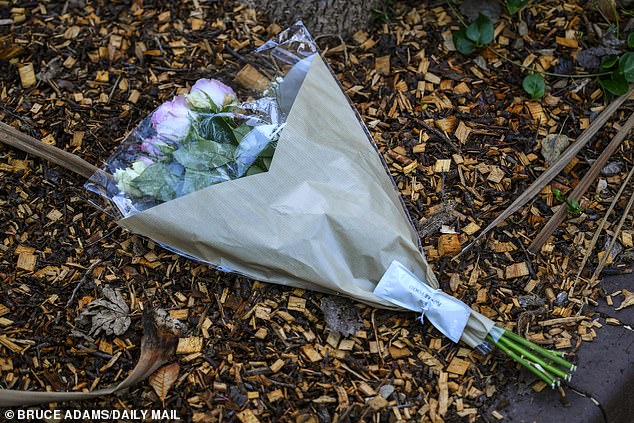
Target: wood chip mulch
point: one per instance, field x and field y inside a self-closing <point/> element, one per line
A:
<point x="462" y="141"/>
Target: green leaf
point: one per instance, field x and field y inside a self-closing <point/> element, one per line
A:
<point x="514" y="6"/>
<point x="573" y="207"/>
<point x="616" y="84"/>
<point x="204" y="155"/>
<point x="195" y="180"/>
<point x="609" y="62"/>
<point x="241" y="131"/>
<point x="214" y="128"/>
<point x="559" y="195"/>
<point x="157" y="181"/>
<point x="462" y="43"/>
<point x="534" y="85"/>
<point x="626" y="65"/>
<point x="630" y="40"/>
<point x="480" y="31"/>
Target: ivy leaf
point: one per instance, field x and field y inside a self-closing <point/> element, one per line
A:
<point x="514" y="6"/>
<point x="630" y="40"/>
<point x="534" y="85"/>
<point x="626" y="66"/>
<point x="158" y="181"/>
<point x="480" y="31"/>
<point x="204" y="154"/>
<point x="616" y="84"/>
<point x="462" y="43"/>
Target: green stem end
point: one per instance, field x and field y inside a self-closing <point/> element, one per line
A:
<point x="549" y="366"/>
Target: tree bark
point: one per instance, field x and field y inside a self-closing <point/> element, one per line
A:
<point x="321" y="17"/>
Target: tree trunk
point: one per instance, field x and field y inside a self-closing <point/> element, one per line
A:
<point x="321" y="17"/>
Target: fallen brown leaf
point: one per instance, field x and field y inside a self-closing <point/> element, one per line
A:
<point x="163" y="379"/>
<point x="157" y="347"/>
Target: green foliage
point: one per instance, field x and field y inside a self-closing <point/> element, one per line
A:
<point x="534" y="85"/>
<point x="572" y="206"/>
<point x="478" y="34"/>
<point x="620" y="72"/>
<point x="158" y="181"/>
<point x="463" y="44"/>
<point x="514" y="6"/>
<point x="481" y="31"/>
<point x="626" y="66"/>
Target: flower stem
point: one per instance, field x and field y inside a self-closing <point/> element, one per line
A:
<point x="549" y="380"/>
<point x="535" y="359"/>
<point x="549" y="366"/>
<point x="542" y="351"/>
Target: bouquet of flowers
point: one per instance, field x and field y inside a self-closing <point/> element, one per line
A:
<point x="288" y="187"/>
<point x="195" y="141"/>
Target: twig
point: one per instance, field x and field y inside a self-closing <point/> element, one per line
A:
<point x="583" y="186"/>
<point x="595" y="237"/>
<point x="439" y="134"/>
<point x="81" y="282"/>
<point x="28" y="144"/>
<point x="617" y="231"/>
<point x="554" y="170"/>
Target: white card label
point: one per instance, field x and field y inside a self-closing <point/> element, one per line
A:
<point x="401" y="287"/>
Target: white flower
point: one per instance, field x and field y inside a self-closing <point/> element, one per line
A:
<point x="171" y="120"/>
<point x="125" y="177"/>
<point x="210" y="94"/>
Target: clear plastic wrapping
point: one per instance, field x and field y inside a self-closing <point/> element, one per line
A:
<point x="209" y="136"/>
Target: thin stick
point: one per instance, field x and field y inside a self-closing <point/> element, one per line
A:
<point x="28" y="144"/>
<point x="81" y="282"/>
<point x="595" y="237"/>
<point x="554" y="170"/>
<point x="583" y="186"/>
<point x="604" y="259"/>
<point x="439" y="134"/>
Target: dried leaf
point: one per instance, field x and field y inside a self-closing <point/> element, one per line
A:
<point x="108" y="314"/>
<point x="341" y="316"/>
<point x="608" y="9"/>
<point x="163" y="379"/>
<point x="628" y="299"/>
<point x="157" y="347"/>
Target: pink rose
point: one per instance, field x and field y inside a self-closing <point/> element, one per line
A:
<point x="171" y="119"/>
<point x="210" y="94"/>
